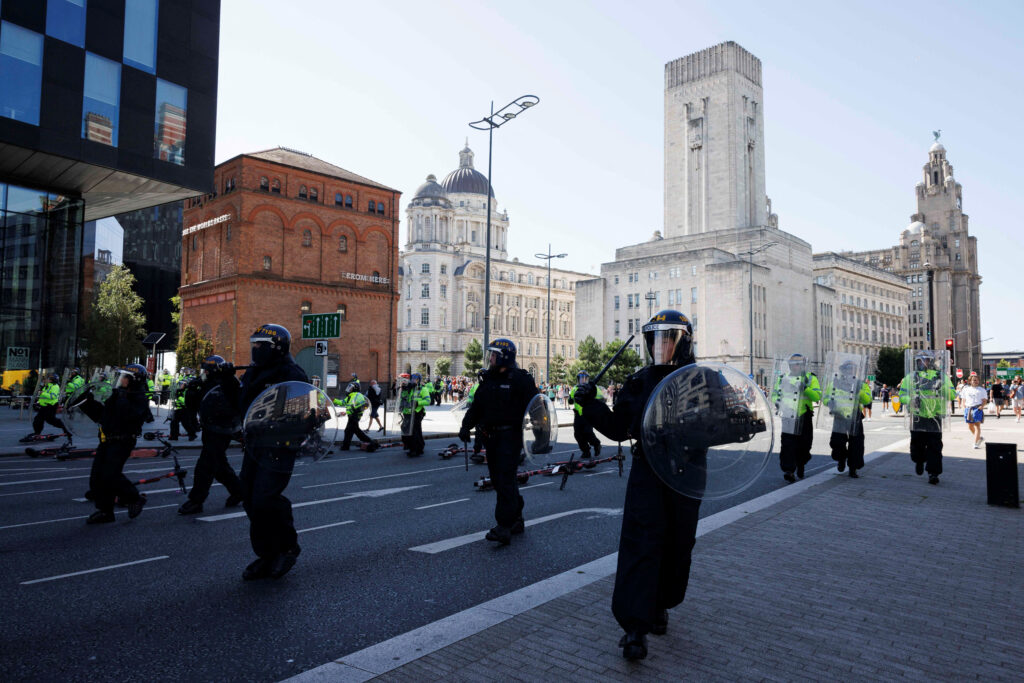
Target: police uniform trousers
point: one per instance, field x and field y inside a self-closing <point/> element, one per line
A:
<point x="926" y="444"/>
<point x="659" y="528"/>
<point x="213" y="464"/>
<point x="47" y="414"/>
<point x="352" y="428"/>
<point x="106" y="478"/>
<point x="583" y="433"/>
<point x="796" y="448"/>
<point x="271" y="528"/>
<point x="848" y="448"/>
<point x="186" y="418"/>
<point x="416" y="444"/>
<point x="504" y="445"/>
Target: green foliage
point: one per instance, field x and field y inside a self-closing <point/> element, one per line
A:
<point x="193" y="347"/>
<point x="443" y="365"/>
<point x="474" y="354"/>
<point x="116" y="323"/>
<point x="176" y="310"/>
<point x="557" y="370"/>
<point x="588" y="357"/>
<point x="1003" y="363"/>
<point x="628" y="363"/>
<point x="422" y="369"/>
<point x="889" y="366"/>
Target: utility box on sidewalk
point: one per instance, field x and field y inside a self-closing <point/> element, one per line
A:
<point x="1001" y="473"/>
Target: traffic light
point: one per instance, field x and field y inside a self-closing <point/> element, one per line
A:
<point x="949" y="346"/>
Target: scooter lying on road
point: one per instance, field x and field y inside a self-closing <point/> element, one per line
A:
<point x="565" y="469"/>
<point x="168" y="449"/>
<point x="35" y="438"/>
<point x="453" y="449"/>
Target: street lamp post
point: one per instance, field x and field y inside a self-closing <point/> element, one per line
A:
<point x="750" y="294"/>
<point x="931" y="309"/>
<point x="496" y="120"/>
<point x="547" y="352"/>
<point x="650" y="296"/>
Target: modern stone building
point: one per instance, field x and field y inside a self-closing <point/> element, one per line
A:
<point x="442" y="281"/>
<point x="938" y="259"/>
<point x="872" y="305"/>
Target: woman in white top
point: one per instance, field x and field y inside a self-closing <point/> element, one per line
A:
<point x="974" y="399"/>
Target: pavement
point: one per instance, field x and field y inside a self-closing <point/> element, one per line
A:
<point x="878" y="578"/>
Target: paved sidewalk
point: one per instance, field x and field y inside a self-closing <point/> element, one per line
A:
<point x="832" y="578"/>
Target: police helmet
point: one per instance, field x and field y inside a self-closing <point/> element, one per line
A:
<point x="352" y="386"/>
<point x="797" y="363"/>
<point x="668" y="338"/>
<point x="582" y="377"/>
<point x="415" y="378"/>
<point x="137" y="375"/>
<point x="53" y="377"/>
<point x="847" y="368"/>
<point x="75" y="371"/>
<point x="502" y="353"/>
<point x="924" y="361"/>
<point x="211" y="364"/>
<point x="270" y="342"/>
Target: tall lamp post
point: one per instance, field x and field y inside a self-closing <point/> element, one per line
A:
<point x="931" y="309"/>
<point x="496" y="120"/>
<point x="651" y="297"/>
<point x="547" y="352"/>
<point x="750" y="293"/>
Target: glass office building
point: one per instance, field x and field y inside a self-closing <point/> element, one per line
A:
<point x="107" y="107"/>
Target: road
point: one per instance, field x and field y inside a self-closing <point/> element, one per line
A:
<point x="389" y="544"/>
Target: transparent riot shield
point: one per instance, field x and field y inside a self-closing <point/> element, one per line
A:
<point x="707" y="431"/>
<point x="540" y="430"/>
<point x="405" y="413"/>
<point x="841" y="384"/>
<point x="926" y="390"/>
<point x="218" y="414"/>
<point x="287" y="421"/>
<point x="64" y="378"/>
<point x="789" y="379"/>
<point x="460" y="408"/>
<point x="75" y="416"/>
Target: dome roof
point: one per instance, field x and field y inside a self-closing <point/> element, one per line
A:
<point x="949" y="179"/>
<point x="430" y="189"/>
<point x="466" y="178"/>
<point x="915" y="227"/>
<point x="937" y="147"/>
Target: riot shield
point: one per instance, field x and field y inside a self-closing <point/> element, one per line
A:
<point x="287" y="421"/>
<point x="540" y="429"/>
<point x="460" y="408"/>
<point x="788" y="384"/>
<point x="707" y="431"/>
<point x="926" y="390"/>
<point x="405" y="412"/>
<point x="842" y="382"/>
<point x="74" y="417"/>
<point x="218" y="414"/>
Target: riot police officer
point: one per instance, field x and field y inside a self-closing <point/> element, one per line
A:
<point x="354" y="404"/>
<point x="416" y="398"/>
<point x="659" y="525"/>
<point x="49" y="396"/>
<point x="271" y="529"/>
<point x="75" y="382"/>
<point x="120" y="419"/>
<point x="924" y="392"/>
<point x="497" y="411"/>
<point x="844" y="396"/>
<point x="581" y="429"/>
<point x="219" y="424"/>
<point x="800" y="387"/>
<point x="185" y="408"/>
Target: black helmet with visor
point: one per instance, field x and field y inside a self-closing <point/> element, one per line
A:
<point x="668" y="339"/>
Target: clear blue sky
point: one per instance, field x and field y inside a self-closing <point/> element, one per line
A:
<point x="852" y="92"/>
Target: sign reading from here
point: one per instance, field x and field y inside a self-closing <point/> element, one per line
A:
<point x="17" y="358"/>
<point x="321" y="325"/>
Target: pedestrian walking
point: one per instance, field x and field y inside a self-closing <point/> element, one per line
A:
<point x="1017" y="396"/>
<point x="884" y="395"/>
<point x="975" y="398"/>
<point x="996" y="395"/>
<point x="375" y="394"/>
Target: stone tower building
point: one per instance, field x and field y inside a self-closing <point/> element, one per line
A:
<point x="714" y="142"/>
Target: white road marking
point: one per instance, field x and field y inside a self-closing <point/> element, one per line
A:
<point x="20" y="471"/>
<point x="98" y="569"/>
<point x="384" y="476"/>
<point x="329" y="459"/>
<point x="22" y="493"/>
<point x="325" y="526"/>
<point x="359" y="494"/>
<point x="65" y="519"/>
<point x="437" y="505"/>
<point x="168" y="468"/>
<point x="449" y="543"/>
<point x="597" y="474"/>
<point x="533" y="486"/>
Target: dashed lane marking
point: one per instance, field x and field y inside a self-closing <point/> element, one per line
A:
<point x="66" y="519"/>
<point x="22" y="493"/>
<point x="325" y="526"/>
<point x="437" y="505"/>
<point x="383" y="476"/>
<point x="358" y="494"/>
<point x="98" y="569"/>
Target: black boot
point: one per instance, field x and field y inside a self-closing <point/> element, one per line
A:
<point x="256" y="570"/>
<point x="100" y="517"/>
<point x="500" y="534"/>
<point x="788" y="476"/>
<point x="190" y="507"/>
<point x="232" y="501"/>
<point x="933" y="479"/>
<point x="853" y="474"/>
<point x="634" y="645"/>
<point x="597" y="449"/>
<point x="919" y="467"/>
<point x="283" y="563"/>
<point x="841" y="465"/>
<point x="135" y="507"/>
<point x="800" y="471"/>
<point x="519" y="527"/>
<point x="660" y="626"/>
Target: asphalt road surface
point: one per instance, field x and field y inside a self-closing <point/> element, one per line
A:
<point x="389" y="544"/>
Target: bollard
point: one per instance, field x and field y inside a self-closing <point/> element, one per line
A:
<point x="1001" y="474"/>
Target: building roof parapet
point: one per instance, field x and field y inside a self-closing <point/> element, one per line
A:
<point x="727" y="56"/>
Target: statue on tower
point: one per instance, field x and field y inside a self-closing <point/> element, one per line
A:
<point x="937" y="134"/>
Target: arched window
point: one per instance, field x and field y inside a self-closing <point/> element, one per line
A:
<point x="343" y="243"/>
<point x="380" y="208"/>
<point x="307" y="238"/>
<point x="275" y="186"/>
<point x="306" y="307"/>
<point x="348" y="201"/>
<point x="264" y="184"/>
<point x="338" y="199"/>
<point x="314" y="194"/>
<point x="302" y="192"/>
<point x="371" y="206"/>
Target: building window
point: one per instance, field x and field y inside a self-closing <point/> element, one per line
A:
<point x="380" y="208"/>
<point x="101" y="100"/>
<point x="616" y="302"/>
<point x="65" y="20"/>
<point x="338" y="199"/>
<point x="444" y="291"/>
<point x="425" y="268"/>
<point x="424" y="316"/>
<point x="423" y="344"/>
<point x="306" y="307"/>
<point x="314" y="195"/>
<point x="140" y="25"/>
<point x="343" y="243"/>
<point x="371" y="206"/>
<point x="630" y="322"/>
<point x="264" y="184"/>
<point x="21" y="63"/>
<point x="348" y="201"/>
<point x="266" y="263"/>
<point x="616" y="328"/>
<point x="307" y="238"/>
<point x="275" y="187"/>
<point x="227" y="233"/>
<point x="195" y="241"/>
<point x="171" y="107"/>
<point x="302" y="192"/>
<point x="425" y="291"/>
<point x="343" y="312"/>
<point x="444" y="269"/>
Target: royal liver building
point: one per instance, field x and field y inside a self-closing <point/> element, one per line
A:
<point x="442" y="281"/>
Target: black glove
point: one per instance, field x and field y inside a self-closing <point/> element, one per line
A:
<point x="464" y="435"/>
<point x="586" y="392"/>
<point x="226" y="370"/>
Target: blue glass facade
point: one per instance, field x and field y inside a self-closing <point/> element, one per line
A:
<point x="101" y="99"/>
<point x="65" y="20"/>
<point x="21" y="72"/>
<point x="141" y="19"/>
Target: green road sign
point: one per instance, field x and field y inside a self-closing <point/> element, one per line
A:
<point x="870" y="378"/>
<point x="321" y="325"/>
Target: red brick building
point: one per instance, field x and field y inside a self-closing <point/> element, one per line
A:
<point x="286" y="234"/>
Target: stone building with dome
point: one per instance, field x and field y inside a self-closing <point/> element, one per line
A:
<point x="938" y="259"/>
<point x="442" y="280"/>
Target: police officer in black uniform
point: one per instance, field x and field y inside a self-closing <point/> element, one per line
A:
<point x="219" y="424"/>
<point x="271" y="529"/>
<point x="120" y="419"/>
<point x="659" y="526"/>
<point x="497" y="411"/>
<point x="581" y="429"/>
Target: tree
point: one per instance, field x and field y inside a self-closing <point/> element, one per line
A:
<point x="889" y="366"/>
<point x="626" y="365"/>
<point x="588" y="356"/>
<point x="474" y="354"/>
<point x="557" y="369"/>
<point x="176" y="310"/>
<point x="422" y="370"/>
<point x="443" y="365"/>
<point x="116" y="323"/>
<point x="1003" y="363"/>
<point x="193" y="347"/>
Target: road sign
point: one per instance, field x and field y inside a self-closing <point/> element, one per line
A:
<point x="320" y="347"/>
<point x="321" y="326"/>
<point x="959" y="373"/>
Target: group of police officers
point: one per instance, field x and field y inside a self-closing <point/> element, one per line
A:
<point x="659" y="523"/>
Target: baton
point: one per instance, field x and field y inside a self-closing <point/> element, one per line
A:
<point x="612" y="361"/>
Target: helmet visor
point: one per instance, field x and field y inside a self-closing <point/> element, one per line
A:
<point x="662" y="341"/>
